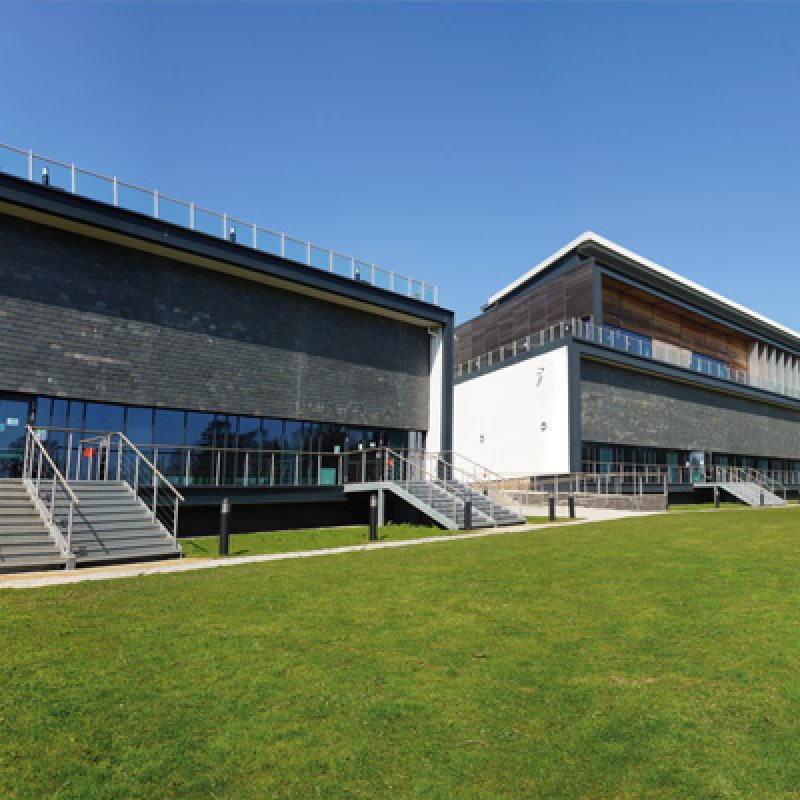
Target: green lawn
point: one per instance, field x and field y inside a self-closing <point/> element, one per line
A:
<point x="249" y="544"/>
<point x="646" y="658"/>
<point x="706" y="506"/>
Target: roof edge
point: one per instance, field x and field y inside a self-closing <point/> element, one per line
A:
<point x="589" y="237"/>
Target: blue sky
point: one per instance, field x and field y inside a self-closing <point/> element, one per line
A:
<point x="459" y="143"/>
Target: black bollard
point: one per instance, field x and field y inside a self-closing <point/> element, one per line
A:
<point x="761" y="499"/>
<point x="716" y="497"/>
<point x="468" y="514"/>
<point x="571" y="504"/>
<point x="373" y="517"/>
<point x="224" y="521"/>
<point x="551" y="507"/>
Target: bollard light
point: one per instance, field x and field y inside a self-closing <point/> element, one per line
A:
<point x="45" y="176"/>
<point x="232" y="234"/>
<point x="373" y="517"/>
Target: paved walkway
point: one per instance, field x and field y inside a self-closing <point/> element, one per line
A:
<point x="32" y="580"/>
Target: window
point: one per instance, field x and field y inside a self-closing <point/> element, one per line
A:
<point x="709" y="366"/>
<point x="628" y="342"/>
<point x="169" y="427"/>
<point x="139" y="426"/>
<point x="104" y="418"/>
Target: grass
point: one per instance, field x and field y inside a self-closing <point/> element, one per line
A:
<point x="644" y="658"/>
<point x="705" y="506"/>
<point x="249" y="544"/>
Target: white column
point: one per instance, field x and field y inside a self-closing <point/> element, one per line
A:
<point x="435" y="385"/>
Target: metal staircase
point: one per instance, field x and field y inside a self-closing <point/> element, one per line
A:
<point x="25" y="540"/>
<point x="747" y="485"/>
<point x="440" y="491"/>
<point x="118" y="507"/>
<point x="112" y="524"/>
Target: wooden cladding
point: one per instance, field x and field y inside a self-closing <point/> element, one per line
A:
<point x="544" y="304"/>
<point x="635" y="310"/>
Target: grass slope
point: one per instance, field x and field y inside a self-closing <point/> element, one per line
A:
<point x="655" y="657"/>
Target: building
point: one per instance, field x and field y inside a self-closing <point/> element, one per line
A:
<point x="600" y="361"/>
<point x="244" y="363"/>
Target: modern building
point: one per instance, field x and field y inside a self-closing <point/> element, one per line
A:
<point x="243" y="363"/>
<point x="598" y="360"/>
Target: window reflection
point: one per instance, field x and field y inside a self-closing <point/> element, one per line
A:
<point x="198" y="448"/>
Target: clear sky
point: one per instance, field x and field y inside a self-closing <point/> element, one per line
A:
<point x="459" y="143"/>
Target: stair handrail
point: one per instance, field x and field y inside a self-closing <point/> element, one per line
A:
<point x="34" y="445"/>
<point x="489" y="475"/>
<point x="157" y="477"/>
<point x="150" y="464"/>
<point x="765" y="482"/>
<point x="431" y="478"/>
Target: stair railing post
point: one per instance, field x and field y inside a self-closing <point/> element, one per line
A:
<point x="155" y="492"/>
<point x="69" y="524"/>
<point x="136" y="477"/>
<point x="120" y="446"/>
<point x="52" y="498"/>
<point x="38" y="471"/>
<point x="175" y="520"/>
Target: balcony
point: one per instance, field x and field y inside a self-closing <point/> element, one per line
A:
<point x="29" y="166"/>
<point x="624" y="342"/>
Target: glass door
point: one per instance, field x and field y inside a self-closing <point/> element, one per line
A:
<point x="673" y="468"/>
<point x="697" y="466"/>
<point x="14" y="416"/>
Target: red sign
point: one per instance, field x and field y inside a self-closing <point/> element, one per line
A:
<point x="88" y="452"/>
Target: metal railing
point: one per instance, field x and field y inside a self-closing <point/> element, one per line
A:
<point x="624" y="342"/>
<point x="112" y="456"/>
<point x="525" y="344"/>
<point x="67" y="177"/>
<point x="187" y="466"/>
<point x="726" y="474"/>
<point x="601" y="483"/>
<point x="156" y="471"/>
<point x="500" y="489"/>
<point x="776" y="481"/>
<point x="49" y="489"/>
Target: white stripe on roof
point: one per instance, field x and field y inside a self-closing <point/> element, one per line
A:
<point x="590" y="236"/>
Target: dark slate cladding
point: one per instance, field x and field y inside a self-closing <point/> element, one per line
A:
<point x="627" y="407"/>
<point x="84" y="318"/>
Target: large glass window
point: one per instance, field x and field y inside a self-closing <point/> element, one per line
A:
<point x="104" y="417"/>
<point x="169" y="427"/>
<point x="139" y="426"/>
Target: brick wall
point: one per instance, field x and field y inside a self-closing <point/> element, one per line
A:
<point x="88" y="319"/>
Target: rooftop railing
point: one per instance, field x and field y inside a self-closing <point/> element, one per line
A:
<point x="624" y="342"/>
<point x="69" y="178"/>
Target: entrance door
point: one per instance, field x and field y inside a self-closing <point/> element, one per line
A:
<point x="697" y="466"/>
<point x="673" y="468"/>
<point x="14" y="416"/>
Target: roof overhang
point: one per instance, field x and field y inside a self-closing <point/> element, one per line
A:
<point x="592" y="244"/>
<point x="58" y="209"/>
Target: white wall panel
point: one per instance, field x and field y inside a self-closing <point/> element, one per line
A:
<point x="515" y="419"/>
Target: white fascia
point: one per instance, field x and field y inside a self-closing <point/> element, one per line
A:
<point x="591" y="237"/>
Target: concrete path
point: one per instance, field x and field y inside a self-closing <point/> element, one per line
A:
<point x="30" y="580"/>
